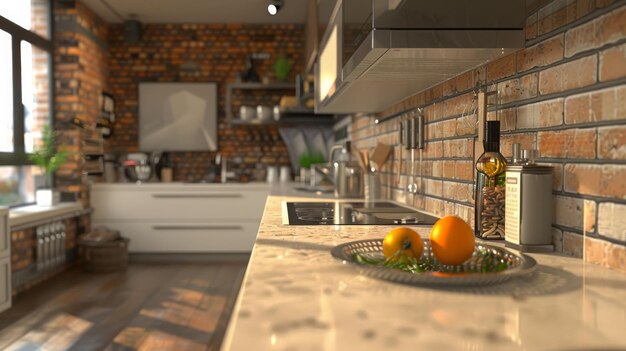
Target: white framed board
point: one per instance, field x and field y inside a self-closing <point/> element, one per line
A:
<point x="176" y="116"/>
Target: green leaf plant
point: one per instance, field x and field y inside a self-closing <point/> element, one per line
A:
<point x="46" y="156"/>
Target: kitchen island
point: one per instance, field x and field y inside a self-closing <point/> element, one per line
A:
<point x="296" y="296"/>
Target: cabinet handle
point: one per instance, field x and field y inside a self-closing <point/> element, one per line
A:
<point x="197" y="227"/>
<point x="196" y="196"/>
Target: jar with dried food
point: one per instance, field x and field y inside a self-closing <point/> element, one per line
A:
<point x="490" y="198"/>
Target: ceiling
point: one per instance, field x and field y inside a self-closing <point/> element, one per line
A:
<point x="202" y="11"/>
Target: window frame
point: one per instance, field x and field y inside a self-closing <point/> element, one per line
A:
<point x="19" y="156"/>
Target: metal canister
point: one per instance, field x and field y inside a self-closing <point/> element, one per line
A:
<point x="529" y="207"/>
<point x="348" y="179"/>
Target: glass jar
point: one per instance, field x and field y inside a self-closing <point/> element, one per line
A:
<point x="490" y="187"/>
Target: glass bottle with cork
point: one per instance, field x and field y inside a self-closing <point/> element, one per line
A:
<point x="490" y="198"/>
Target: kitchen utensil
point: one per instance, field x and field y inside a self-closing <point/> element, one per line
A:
<point x="272" y="174"/>
<point x="276" y="112"/>
<point x="379" y="156"/>
<point x="264" y="113"/>
<point x="247" y="113"/>
<point x="362" y="161"/>
<point x="372" y="186"/>
<point x="469" y="273"/>
<point x="348" y="179"/>
<point x="285" y="174"/>
<point x="110" y="168"/>
<point x="400" y="166"/>
<point x="364" y="154"/>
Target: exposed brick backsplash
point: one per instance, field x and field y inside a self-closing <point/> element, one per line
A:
<point x="221" y="51"/>
<point x="565" y="94"/>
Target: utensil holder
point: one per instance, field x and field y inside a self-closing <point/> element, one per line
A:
<point x="372" y="186"/>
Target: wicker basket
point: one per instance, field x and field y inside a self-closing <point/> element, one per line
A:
<point x="107" y="256"/>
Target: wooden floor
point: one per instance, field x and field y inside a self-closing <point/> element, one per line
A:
<point x="151" y="306"/>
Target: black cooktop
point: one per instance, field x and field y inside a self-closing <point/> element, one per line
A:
<point x="354" y="213"/>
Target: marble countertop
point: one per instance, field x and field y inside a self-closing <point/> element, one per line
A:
<point x="295" y="296"/>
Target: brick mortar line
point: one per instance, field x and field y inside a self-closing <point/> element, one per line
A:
<point x="524" y="102"/>
<point x="451" y="180"/>
<point x="434" y="197"/>
<point x="582" y="233"/>
<point x="563" y="94"/>
<point x="598" y="199"/>
<point x="456" y="137"/>
<point x="587" y="18"/>
<point x="577" y="161"/>
<point x="585" y="125"/>
<point x="564" y="228"/>
<point x="562" y="193"/>
<point x="563" y="60"/>
<point x="606" y="238"/>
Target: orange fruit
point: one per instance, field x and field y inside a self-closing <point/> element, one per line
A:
<point x="402" y="242"/>
<point x="452" y="240"/>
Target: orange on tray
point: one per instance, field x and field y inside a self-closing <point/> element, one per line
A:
<point x="452" y="240"/>
<point x="402" y="242"/>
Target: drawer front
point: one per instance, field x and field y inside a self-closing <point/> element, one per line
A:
<point x="5" y="283"/>
<point x="178" y="204"/>
<point x="170" y="237"/>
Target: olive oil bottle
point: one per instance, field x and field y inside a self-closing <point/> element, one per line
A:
<point x="490" y="199"/>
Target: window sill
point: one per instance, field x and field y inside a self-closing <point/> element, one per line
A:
<point x="33" y="215"/>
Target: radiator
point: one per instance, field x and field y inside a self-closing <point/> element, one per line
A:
<point x="50" y="250"/>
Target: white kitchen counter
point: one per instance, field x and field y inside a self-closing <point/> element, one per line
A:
<point x="296" y="296"/>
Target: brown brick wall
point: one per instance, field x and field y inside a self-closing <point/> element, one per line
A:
<point x="80" y="72"/>
<point x="221" y="51"/>
<point x="565" y="94"/>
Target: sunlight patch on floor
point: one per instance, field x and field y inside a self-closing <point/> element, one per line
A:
<point x="57" y="334"/>
<point x="204" y="320"/>
<point x="142" y="339"/>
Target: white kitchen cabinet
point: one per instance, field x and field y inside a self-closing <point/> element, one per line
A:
<point x="5" y="260"/>
<point x="181" y="218"/>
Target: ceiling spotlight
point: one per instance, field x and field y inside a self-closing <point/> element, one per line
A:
<point x="274" y="6"/>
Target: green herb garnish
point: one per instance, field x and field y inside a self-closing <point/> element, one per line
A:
<point x="485" y="262"/>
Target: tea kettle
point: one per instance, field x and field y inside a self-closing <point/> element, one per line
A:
<point x="347" y="174"/>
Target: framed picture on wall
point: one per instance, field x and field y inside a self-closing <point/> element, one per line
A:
<point x="177" y="116"/>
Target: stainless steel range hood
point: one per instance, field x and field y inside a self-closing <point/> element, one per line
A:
<point x="395" y="48"/>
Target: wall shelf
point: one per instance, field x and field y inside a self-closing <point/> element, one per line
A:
<point x="262" y="86"/>
<point x="285" y="121"/>
<point x="291" y="116"/>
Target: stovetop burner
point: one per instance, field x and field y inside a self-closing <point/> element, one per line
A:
<point x="354" y="213"/>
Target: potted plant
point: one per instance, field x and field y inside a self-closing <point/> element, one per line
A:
<point x="49" y="159"/>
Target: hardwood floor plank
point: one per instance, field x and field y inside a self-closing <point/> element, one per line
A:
<point x="151" y="306"/>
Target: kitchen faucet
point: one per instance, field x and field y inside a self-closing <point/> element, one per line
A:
<point x="224" y="174"/>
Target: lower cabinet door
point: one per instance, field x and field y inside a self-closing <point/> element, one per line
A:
<point x="5" y="283"/>
<point x="164" y="237"/>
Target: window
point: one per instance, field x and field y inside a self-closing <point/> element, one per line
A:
<point x="32" y="15"/>
<point x="25" y="102"/>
